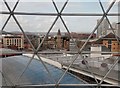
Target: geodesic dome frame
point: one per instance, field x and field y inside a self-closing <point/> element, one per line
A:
<point x="59" y="14"/>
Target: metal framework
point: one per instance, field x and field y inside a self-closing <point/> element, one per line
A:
<point x="59" y="14"/>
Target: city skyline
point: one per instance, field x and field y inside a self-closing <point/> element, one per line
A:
<point x="43" y="23"/>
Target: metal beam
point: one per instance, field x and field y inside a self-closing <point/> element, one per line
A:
<point x="62" y="14"/>
<point x="67" y="85"/>
<point x="10" y="15"/>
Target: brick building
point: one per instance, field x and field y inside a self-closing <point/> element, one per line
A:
<point x="109" y="42"/>
<point x="81" y="35"/>
<point x="19" y="41"/>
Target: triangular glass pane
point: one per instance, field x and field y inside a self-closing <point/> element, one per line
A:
<point x="3" y="19"/>
<point x="35" y="28"/>
<point x="3" y="7"/>
<point x="35" y="23"/>
<point x="11" y="25"/>
<point x="114" y="22"/>
<point x="38" y="74"/>
<point x="115" y="8"/>
<point x="82" y="24"/>
<point x="11" y="3"/>
<point x="107" y="65"/>
<point x="60" y="4"/>
<point x="83" y="7"/>
<point x="107" y="3"/>
<point x="37" y="7"/>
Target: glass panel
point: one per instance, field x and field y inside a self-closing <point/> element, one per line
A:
<point x="83" y="7"/>
<point x="44" y="7"/>
<point x="97" y="55"/>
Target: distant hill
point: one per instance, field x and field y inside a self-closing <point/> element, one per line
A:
<point x="31" y="33"/>
<point x="4" y="32"/>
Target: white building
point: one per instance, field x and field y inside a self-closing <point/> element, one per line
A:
<point x="102" y="29"/>
<point x="118" y="29"/>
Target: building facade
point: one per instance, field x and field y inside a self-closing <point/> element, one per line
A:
<point x="13" y="41"/>
<point x="62" y="42"/>
<point x="109" y="43"/>
<point x="102" y="29"/>
<point x="118" y="29"/>
<point x="59" y="40"/>
<point x="19" y="41"/>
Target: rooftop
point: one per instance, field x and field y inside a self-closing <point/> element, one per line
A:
<point x="8" y="52"/>
<point x="35" y="73"/>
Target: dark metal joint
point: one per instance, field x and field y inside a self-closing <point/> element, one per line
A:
<point x="35" y="52"/>
<point x="11" y="13"/>
<point x="59" y="14"/>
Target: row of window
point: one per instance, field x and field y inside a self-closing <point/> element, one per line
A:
<point x="16" y="42"/>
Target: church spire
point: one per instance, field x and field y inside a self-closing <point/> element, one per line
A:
<point x="59" y="33"/>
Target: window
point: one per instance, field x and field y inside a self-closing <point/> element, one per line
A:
<point x="67" y="15"/>
<point x="109" y="41"/>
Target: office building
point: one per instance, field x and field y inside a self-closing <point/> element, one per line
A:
<point x="13" y="41"/>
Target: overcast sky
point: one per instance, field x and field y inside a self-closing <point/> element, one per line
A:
<point x="43" y="23"/>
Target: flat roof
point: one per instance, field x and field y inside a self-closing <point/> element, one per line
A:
<point x="12" y="37"/>
<point x="6" y="51"/>
<point x="36" y="73"/>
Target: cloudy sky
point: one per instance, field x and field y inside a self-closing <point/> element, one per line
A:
<point x="43" y="23"/>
